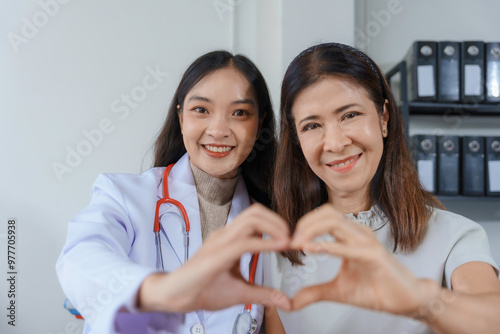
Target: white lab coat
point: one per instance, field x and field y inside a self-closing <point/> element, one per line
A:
<point x="110" y="249"/>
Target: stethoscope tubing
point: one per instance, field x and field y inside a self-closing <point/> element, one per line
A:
<point x="187" y="228"/>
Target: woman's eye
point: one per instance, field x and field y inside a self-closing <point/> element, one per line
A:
<point x="201" y="110"/>
<point x="310" y="126"/>
<point x="240" y="113"/>
<point x="350" y="115"/>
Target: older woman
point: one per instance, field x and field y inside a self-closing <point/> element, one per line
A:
<point x="380" y="249"/>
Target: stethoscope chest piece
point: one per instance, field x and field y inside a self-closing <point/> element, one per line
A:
<point x="245" y="324"/>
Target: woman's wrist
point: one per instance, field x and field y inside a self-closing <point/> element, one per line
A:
<point x="429" y="296"/>
<point x="149" y="296"/>
<point x="162" y="292"/>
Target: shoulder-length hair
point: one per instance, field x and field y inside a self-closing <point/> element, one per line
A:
<point x="256" y="169"/>
<point x="395" y="187"/>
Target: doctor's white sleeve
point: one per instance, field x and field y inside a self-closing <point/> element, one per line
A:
<point x="94" y="269"/>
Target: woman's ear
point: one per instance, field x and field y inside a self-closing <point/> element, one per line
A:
<point x="179" y="112"/>
<point x="384" y="119"/>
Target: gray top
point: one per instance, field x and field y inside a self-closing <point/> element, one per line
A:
<point x="451" y="241"/>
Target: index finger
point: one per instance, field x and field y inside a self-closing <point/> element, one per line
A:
<point x="324" y="220"/>
<point x="259" y="220"/>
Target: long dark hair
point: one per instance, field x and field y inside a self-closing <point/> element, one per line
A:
<point x="395" y="188"/>
<point x="256" y="171"/>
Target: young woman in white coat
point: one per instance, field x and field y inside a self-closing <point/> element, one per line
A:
<point x="381" y="253"/>
<point x="125" y="278"/>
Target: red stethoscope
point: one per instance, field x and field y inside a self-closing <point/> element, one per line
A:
<point x="244" y="323"/>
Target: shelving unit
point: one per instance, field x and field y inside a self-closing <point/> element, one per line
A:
<point x="409" y="108"/>
<point x="435" y="108"/>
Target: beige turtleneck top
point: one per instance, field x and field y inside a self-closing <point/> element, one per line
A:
<point x="214" y="198"/>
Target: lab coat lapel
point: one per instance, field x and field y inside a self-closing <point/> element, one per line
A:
<point x="241" y="200"/>
<point x="182" y="188"/>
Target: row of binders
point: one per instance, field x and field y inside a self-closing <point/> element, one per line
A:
<point x="453" y="165"/>
<point x="459" y="72"/>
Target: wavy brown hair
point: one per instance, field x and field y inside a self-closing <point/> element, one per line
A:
<point x="169" y="146"/>
<point x="395" y="187"/>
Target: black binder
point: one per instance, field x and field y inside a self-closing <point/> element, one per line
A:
<point x="492" y="72"/>
<point x="448" y="165"/>
<point x="492" y="166"/>
<point x="424" y="151"/>
<point x="473" y="166"/>
<point x="472" y="83"/>
<point x="448" y="69"/>
<point x="421" y="63"/>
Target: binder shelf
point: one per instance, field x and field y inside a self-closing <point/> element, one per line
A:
<point x="440" y="108"/>
<point x="436" y="108"/>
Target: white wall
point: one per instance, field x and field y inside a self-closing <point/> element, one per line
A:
<point x="70" y="75"/>
<point x="63" y="81"/>
<point x="385" y="29"/>
<point x="387" y="37"/>
<point x="273" y="32"/>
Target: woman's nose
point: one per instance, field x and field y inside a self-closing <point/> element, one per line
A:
<point x="219" y="127"/>
<point x="335" y="139"/>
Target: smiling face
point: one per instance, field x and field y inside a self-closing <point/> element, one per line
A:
<point x="341" y="136"/>
<point x="220" y="122"/>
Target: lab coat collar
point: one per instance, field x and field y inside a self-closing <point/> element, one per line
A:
<point x="182" y="186"/>
<point x="241" y="199"/>
<point x="180" y="182"/>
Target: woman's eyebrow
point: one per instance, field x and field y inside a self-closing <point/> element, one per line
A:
<point x="199" y="98"/>
<point x="347" y="106"/>
<point x="244" y="101"/>
<point x="338" y="110"/>
<point x="206" y="99"/>
<point x="308" y="118"/>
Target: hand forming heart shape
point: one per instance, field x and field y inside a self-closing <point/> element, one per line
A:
<point x="369" y="277"/>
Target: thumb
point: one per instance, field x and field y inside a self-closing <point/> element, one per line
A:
<point x="308" y="295"/>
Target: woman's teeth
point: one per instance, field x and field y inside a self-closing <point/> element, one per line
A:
<point x="345" y="163"/>
<point x="218" y="149"/>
